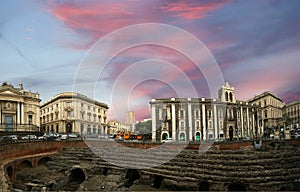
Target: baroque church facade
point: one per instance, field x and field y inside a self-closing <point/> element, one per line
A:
<point x="187" y="119"/>
<point x="19" y="109"/>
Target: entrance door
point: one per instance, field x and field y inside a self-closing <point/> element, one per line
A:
<point x="69" y="127"/>
<point x="230" y="133"/>
<point x="8" y="122"/>
<point x="197" y="137"/>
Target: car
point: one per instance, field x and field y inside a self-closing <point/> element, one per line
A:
<point x="73" y="135"/>
<point x="11" y="137"/>
<point x="64" y="137"/>
<point x="29" y="137"/>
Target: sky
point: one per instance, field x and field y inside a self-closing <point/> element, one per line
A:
<point x="126" y="52"/>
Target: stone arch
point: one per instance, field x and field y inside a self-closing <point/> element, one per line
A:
<point x="105" y="171"/>
<point x="182" y="136"/>
<point x="10" y="172"/>
<point x="25" y="164"/>
<point x="75" y="178"/>
<point x="164" y="136"/>
<point x="158" y="179"/>
<point x="43" y="160"/>
<point x="131" y="176"/>
<point x="204" y="186"/>
<point x="236" y="187"/>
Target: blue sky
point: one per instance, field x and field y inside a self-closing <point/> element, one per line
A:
<point x="255" y="44"/>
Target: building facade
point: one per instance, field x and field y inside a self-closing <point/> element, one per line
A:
<point x="271" y="107"/>
<point x="291" y="113"/>
<point x="116" y="126"/>
<point x="73" y="112"/>
<point x="19" y="109"/>
<point x="187" y="119"/>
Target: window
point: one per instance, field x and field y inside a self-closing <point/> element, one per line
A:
<point x="29" y="119"/>
<point x="197" y="114"/>
<point x="209" y="114"/>
<point x="266" y="114"/>
<point x="56" y="105"/>
<point x="82" y="105"/>
<point x="226" y="96"/>
<point x="265" y="102"/>
<point x="181" y="113"/>
<point x="8" y="105"/>
<point x="89" y="107"/>
<point x="69" y="114"/>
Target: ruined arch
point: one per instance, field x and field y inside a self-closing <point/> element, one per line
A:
<point x="236" y="187"/>
<point x="158" y="179"/>
<point x="105" y="171"/>
<point x="75" y="178"/>
<point x="204" y="186"/>
<point x="25" y="164"/>
<point x="10" y="172"/>
<point x="43" y="160"/>
<point x="131" y="176"/>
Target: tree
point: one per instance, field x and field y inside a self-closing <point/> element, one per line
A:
<point x="144" y="127"/>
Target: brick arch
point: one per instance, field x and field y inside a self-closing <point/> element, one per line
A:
<point x="43" y="160"/>
<point x="25" y="164"/>
<point x="10" y="172"/>
<point x="131" y="176"/>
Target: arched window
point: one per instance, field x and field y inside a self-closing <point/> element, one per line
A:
<point x="230" y="97"/>
<point x="226" y="96"/>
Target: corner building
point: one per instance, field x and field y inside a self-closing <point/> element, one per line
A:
<point x="73" y="112"/>
<point x="19" y="109"/>
<point x="197" y="119"/>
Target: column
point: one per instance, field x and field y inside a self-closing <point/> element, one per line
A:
<point x="216" y="131"/>
<point x="190" y="121"/>
<point x="242" y="122"/>
<point x="204" y="121"/>
<point x="253" y="123"/>
<point x="22" y="113"/>
<point x="153" y="116"/>
<point x="18" y="113"/>
<point x="248" y="124"/>
<point x="174" y="136"/>
<point x="0" y="112"/>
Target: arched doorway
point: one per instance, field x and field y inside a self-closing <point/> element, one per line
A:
<point x="10" y="171"/>
<point x="76" y="177"/>
<point x="236" y="187"/>
<point x="69" y="127"/>
<point x="198" y="137"/>
<point x="165" y="136"/>
<point x="44" y="160"/>
<point x="230" y="133"/>
<point x="158" y="179"/>
<point x="131" y="176"/>
<point x="182" y="137"/>
<point x="25" y="164"/>
<point x="204" y="186"/>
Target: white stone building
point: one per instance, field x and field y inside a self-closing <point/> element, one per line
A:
<point x="187" y="119"/>
<point x="73" y="112"/>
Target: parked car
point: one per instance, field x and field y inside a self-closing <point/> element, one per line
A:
<point x="29" y="137"/>
<point x="64" y="137"/>
<point x="168" y="140"/>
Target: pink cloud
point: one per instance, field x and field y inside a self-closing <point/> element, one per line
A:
<point x="197" y="10"/>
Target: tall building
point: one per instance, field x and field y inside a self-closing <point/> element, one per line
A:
<point x="19" y="109"/>
<point x="291" y="111"/>
<point x="130" y="118"/>
<point x="271" y="107"/>
<point x="198" y="119"/>
<point x="74" y="112"/>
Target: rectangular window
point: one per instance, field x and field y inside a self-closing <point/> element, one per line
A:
<point x="181" y="113"/>
<point x="30" y="119"/>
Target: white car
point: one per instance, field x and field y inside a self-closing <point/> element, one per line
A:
<point x="169" y="140"/>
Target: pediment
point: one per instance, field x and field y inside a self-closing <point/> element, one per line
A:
<point x="9" y="91"/>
